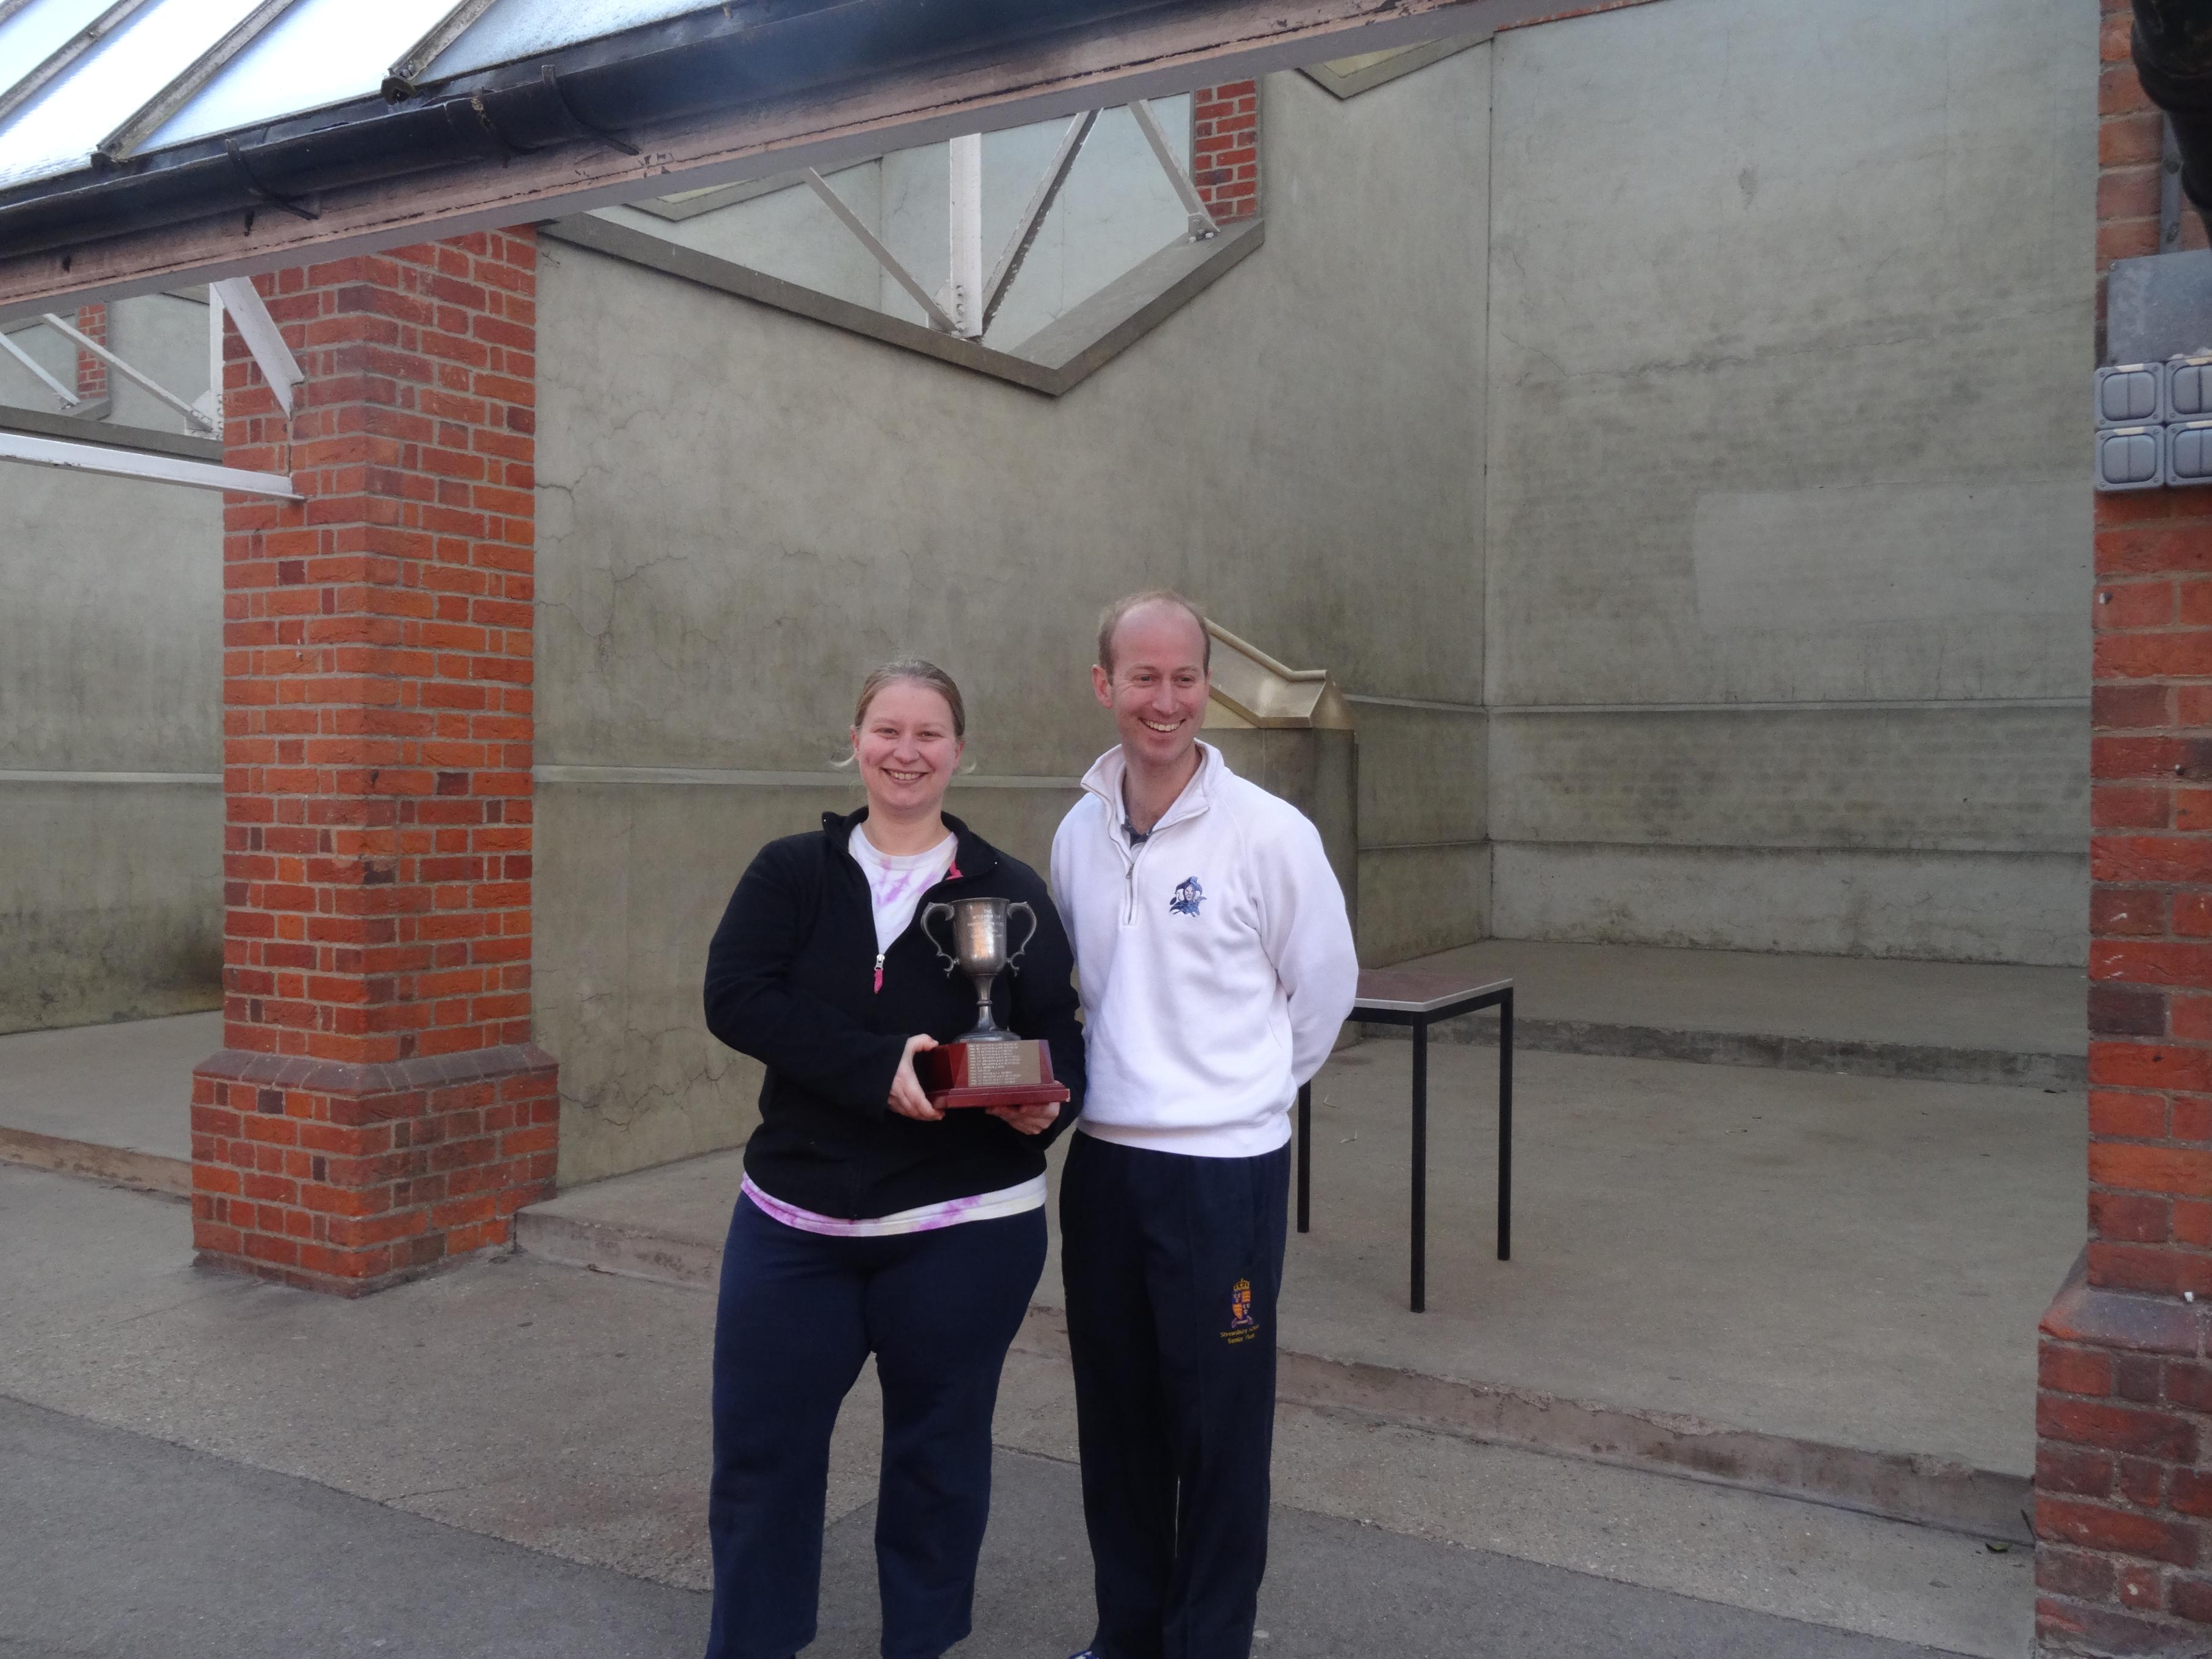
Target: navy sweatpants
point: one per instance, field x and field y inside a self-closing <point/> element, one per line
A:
<point x="800" y="1313"/>
<point x="1172" y="1266"/>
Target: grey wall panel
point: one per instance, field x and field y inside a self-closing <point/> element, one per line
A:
<point x="1788" y="329"/>
<point x="1992" y="779"/>
<point x="111" y="903"/>
<point x="1422" y="775"/>
<point x="111" y="625"/>
<point x="1960" y="907"/>
<point x="1415" y="900"/>
<point x="631" y="880"/>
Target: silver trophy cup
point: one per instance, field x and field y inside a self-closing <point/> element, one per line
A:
<point x="979" y="950"/>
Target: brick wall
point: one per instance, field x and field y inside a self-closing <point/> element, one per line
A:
<point x="2124" y="1418"/>
<point x="377" y="1106"/>
<point x="91" y="372"/>
<point x="1224" y="149"/>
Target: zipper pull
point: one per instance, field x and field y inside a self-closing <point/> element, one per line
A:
<point x="880" y="973"/>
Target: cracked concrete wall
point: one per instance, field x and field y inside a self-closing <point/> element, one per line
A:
<point x="111" y="813"/>
<point x="740" y="511"/>
<point x="1788" y="506"/>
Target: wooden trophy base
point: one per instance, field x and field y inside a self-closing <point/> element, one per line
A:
<point x="1016" y="1073"/>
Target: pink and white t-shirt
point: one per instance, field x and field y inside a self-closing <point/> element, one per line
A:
<point x="896" y="882"/>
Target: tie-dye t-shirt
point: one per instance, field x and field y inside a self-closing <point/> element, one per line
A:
<point x="897" y="881"/>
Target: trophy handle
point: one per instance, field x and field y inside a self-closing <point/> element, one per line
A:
<point x="928" y="913"/>
<point x="1014" y="957"/>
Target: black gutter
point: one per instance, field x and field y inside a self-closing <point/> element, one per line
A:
<point x="585" y="96"/>
<point x="2173" y="49"/>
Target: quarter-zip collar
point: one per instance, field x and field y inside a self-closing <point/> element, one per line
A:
<point x="1105" y="777"/>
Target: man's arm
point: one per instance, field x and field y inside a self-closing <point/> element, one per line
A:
<point x="1308" y="936"/>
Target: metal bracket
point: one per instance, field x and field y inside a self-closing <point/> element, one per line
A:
<point x="139" y="464"/>
<point x="1202" y="223"/>
<point x="1032" y="219"/>
<point x="236" y="295"/>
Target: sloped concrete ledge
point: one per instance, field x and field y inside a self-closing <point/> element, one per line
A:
<point x="1925" y="1063"/>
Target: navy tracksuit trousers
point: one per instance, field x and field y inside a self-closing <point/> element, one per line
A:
<point x="800" y="1312"/>
<point x="1172" y="1266"/>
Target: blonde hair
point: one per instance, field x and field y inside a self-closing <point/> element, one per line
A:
<point x="1114" y="614"/>
<point x="921" y="673"/>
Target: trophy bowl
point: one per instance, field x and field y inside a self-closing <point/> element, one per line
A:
<point x="990" y="1066"/>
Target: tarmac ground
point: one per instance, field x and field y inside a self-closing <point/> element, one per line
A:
<point x="511" y="1456"/>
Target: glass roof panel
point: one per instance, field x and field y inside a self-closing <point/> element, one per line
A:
<point x="30" y="37"/>
<point x="320" y="52"/>
<point x="518" y="28"/>
<point x="56" y="131"/>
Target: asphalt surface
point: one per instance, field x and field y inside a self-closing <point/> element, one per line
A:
<point x="114" y="1543"/>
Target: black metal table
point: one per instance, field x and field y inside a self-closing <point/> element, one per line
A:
<point x="1419" y="997"/>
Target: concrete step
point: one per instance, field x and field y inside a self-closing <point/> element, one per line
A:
<point x="1935" y="1021"/>
<point x="600" y="1229"/>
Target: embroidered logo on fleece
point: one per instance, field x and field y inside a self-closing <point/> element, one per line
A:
<point x="1186" y="897"/>
<point x="1242" y="1326"/>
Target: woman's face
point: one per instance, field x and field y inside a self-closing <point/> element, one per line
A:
<point x="905" y="749"/>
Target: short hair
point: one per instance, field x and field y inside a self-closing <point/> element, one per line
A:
<point x="1111" y="618"/>
<point x="921" y="673"/>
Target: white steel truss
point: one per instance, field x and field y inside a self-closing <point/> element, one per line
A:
<point x="969" y="301"/>
<point x="233" y="297"/>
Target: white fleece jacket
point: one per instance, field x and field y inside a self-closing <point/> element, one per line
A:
<point x="1215" y="960"/>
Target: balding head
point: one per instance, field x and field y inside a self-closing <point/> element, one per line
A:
<point x="1111" y="618"/>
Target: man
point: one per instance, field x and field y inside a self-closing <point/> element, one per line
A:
<point x="1216" y="967"/>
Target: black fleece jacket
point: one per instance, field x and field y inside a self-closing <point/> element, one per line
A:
<point x="790" y="981"/>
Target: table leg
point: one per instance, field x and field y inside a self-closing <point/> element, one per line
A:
<point x="1420" y="1228"/>
<point x="1305" y="1157"/>
<point x="1505" y="1129"/>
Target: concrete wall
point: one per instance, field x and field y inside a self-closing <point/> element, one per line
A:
<point x="111" y="613"/>
<point x="739" y="511"/>
<point x="1789" y="512"/>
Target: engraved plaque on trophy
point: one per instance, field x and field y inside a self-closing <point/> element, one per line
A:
<point x="990" y="1066"/>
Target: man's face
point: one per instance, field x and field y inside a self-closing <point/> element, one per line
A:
<point x="1158" y="687"/>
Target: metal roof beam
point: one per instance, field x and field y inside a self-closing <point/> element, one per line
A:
<point x="122" y="143"/>
<point x="1201" y="221"/>
<point x="69" y="399"/>
<point x="65" y="54"/>
<point x="881" y="99"/>
<point x="192" y="412"/>
<point x="889" y="261"/>
<point x="1032" y="219"/>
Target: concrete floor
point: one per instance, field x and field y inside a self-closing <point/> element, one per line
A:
<point x="1845" y="1261"/>
<point x="1945" y="1004"/>
<point x="127" y="1545"/>
<point x="128" y="1086"/>
<point x="565" y="1412"/>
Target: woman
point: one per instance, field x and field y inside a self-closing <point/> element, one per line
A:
<point x="870" y="1221"/>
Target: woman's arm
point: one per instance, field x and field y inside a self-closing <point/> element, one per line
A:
<point x="752" y="1006"/>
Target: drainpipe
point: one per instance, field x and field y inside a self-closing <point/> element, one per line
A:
<point x="2174" y="57"/>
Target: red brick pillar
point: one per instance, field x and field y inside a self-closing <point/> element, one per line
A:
<point x="1224" y="149"/>
<point x="2124" y="1418"/>
<point x="91" y="372"/>
<point x="377" y="1106"/>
